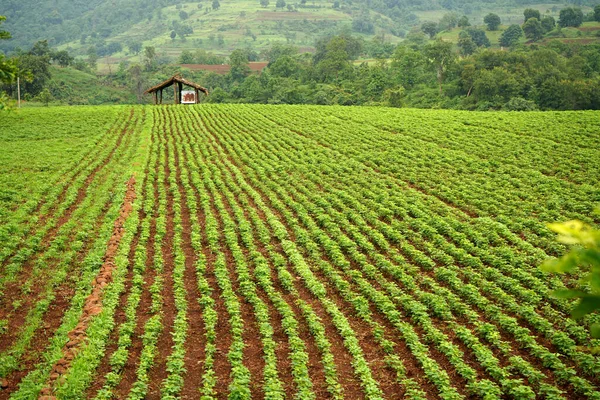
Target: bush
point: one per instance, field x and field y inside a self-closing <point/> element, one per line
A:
<point x="520" y="104"/>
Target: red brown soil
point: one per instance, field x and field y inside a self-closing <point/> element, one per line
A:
<point x="195" y="340"/>
<point x="315" y="366"/>
<point x="13" y="290"/>
<point x="120" y="316"/>
<point x="93" y="303"/>
<point x="253" y="347"/>
<point x="223" y="334"/>
<point x="129" y="373"/>
<point x="159" y="372"/>
<point x="342" y="358"/>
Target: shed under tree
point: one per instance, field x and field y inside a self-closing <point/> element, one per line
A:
<point x="177" y="81"/>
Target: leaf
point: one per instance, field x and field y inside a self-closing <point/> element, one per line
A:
<point x="595" y="331"/>
<point x="568" y="263"/>
<point x="575" y="232"/>
<point x="568" y="232"/>
<point x="586" y="305"/>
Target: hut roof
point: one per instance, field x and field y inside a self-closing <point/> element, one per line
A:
<point x="172" y="80"/>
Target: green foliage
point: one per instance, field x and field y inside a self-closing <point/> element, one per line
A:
<point x="466" y="44"/>
<point x="531" y="13"/>
<point x="533" y="29"/>
<point x="597" y="13"/>
<point x="492" y="21"/>
<point x="44" y="97"/>
<point x="8" y="69"/>
<point x="463" y="22"/>
<point x="149" y="57"/>
<point x="430" y="28"/>
<point x="548" y="23"/>
<point x="448" y="21"/>
<point x="479" y="37"/>
<point x="186" y="57"/>
<point x="363" y="23"/>
<point x="238" y="63"/>
<point x="584" y="256"/>
<point x="511" y="35"/>
<point x="570" y="17"/>
<point x="520" y="104"/>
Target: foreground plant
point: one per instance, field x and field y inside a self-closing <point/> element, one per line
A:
<point x="585" y="257"/>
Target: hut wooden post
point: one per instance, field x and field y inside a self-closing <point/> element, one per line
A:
<point x="177" y="82"/>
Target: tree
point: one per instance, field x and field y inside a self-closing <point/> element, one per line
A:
<point x="45" y="97"/>
<point x="238" y="62"/>
<point x="280" y="4"/>
<point x="285" y="66"/>
<point x="583" y="256"/>
<point x="92" y="59"/>
<point x="430" y="28"/>
<point x="492" y="21"/>
<point x="264" y="3"/>
<point x="136" y="77"/>
<point x="463" y="22"/>
<point x="220" y="40"/>
<point x="62" y="58"/>
<point x="511" y="36"/>
<point x="548" y="23"/>
<point x="533" y="29"/>
<point x="149" y="57"/>
<point x="173" y="35"/>
<point x="333" y="58"/>
<point x="570" y="17"/>
<point x="597" y="13"/>
<point x="479" y="37"/>
<point x="183" y="15"/>
<point x="448" y="21"/>
<point x="135" y="47"/>
<point x="408" y="65"/>
<point x="216" y="5"/>
<point x="114" y="47"/>
<point x="531" y="13"/>
<point x="8" y="69"/>
<point x="363" y="23"/>
<point x="441" y="57"/>
<point x="186" y="57"/>
<point x="466" y="44"/>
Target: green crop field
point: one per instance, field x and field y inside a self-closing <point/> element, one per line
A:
<point x="255" y="251"/>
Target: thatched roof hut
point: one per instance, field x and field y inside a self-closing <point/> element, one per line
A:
<point x="177" y="81"/>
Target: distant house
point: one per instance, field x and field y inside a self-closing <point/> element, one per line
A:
<point x="181" y="96"/>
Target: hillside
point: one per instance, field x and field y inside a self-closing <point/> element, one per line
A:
<point x="309" y="252"/>
<point x="114" y="28"/>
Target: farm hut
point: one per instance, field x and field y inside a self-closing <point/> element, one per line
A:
<point x="181" y="96"/>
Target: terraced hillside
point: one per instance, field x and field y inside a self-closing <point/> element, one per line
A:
<point x="248" y="251"/>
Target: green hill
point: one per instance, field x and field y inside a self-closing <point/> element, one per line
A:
<point x="114" y="28"/>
